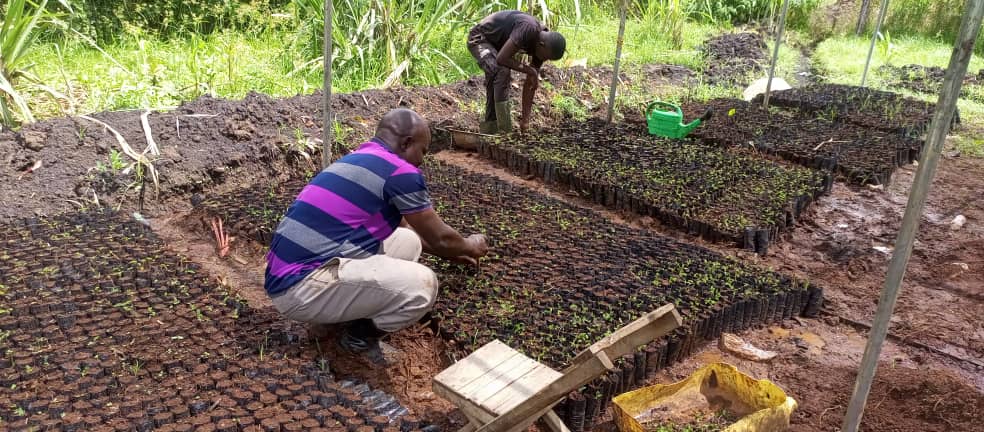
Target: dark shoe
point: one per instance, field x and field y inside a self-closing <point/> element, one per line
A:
<point x="361" y="337"/>
<point x="318" y="331"/>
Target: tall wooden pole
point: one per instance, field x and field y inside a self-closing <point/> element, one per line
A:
<point x="862" y="17"/>
<point x="327" y="131"/>
<point x="775" y="52"/>
<point x="618" y="60"/>
<point x="874" y="38"/>
<point x="963" y="50"/>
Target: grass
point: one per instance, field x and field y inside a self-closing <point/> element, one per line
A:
<point x="150" y="73"/>
<point x="143" y="72"/>
<point x="842" y="58"/>
<point x="594" y="42"/>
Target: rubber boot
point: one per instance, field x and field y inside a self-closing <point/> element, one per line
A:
<point x="490" y="127"/>
<point x="503" y="117"/>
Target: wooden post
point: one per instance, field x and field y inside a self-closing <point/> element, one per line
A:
<point x="618" y="59"/>
<point x="328" y="129"/>
<point x="863" y="17"/>
<point x="874" y="38"/>
<point x="963" y="50"/>
<point x="775" y="52"/>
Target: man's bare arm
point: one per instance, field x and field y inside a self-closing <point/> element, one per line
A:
<point x="440" y="239"/>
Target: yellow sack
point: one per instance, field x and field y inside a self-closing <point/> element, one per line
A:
<point x="761" y="405"/>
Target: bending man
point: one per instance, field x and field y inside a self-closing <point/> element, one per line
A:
<point x="494" y="42"/>
<point x="343" y="253"/>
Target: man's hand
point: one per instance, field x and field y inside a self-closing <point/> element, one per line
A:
<point x="524" y="124"/>
<point x="478" y="245"/>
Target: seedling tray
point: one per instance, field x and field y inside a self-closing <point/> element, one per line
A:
<point x="103" y="329"/>
<point x="862" y="155"/>
<point x="559" y="277"/>
<point x="729" y="195"/>
<point x="863" y="106"/>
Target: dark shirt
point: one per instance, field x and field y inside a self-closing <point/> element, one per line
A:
<point x="523" y="29"/>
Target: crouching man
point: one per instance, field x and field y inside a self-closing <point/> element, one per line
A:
<point x="347" y="249"/>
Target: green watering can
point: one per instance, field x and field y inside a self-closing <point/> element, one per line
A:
<point x="666" y="120"/>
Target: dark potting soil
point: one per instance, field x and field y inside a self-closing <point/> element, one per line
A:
<point x="733" y="58"/>
<point x="861" y="106"/>
<point x="101" y="325"/>
<point x="928" y="79"/>
<point x="861" y="154"/>
<point x="720" y="194"/>
<point x="559" y="277"/>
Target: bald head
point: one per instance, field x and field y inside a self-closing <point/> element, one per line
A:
<point x="407" y="133"/>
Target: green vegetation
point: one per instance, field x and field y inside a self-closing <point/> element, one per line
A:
<point x="157" y="54"/>
<point x="18" y="35"/>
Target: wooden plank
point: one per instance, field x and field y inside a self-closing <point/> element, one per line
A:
<point x="470" y="368"/>
<point x="493" y="381"/>
<point x="553" y="421"/>
<point x="640" y="332"/>
<point x="633" y="335"/>
<point x="521" y="390"/>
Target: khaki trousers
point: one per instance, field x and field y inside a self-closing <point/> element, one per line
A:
<point x="391" y="288"/>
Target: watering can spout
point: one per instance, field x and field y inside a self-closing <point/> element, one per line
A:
<point x="693" y="125"/>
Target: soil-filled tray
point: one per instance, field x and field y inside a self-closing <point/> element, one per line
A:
<point x="862" y="106"/>
<point x="560" y="277"/>
<point x="720" y="194"/>
<point x="929" y="79"/>
<point x="861" y="154"/>
<point x="102" y="329"/>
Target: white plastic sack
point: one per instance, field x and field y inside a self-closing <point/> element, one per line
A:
<point x="758" y="87"/>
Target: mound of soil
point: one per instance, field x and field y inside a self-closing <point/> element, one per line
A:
<point x="732" y="58"/>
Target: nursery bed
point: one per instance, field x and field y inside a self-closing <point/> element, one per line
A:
<point x="559" y="277"/>
<point x="103" y="329"/>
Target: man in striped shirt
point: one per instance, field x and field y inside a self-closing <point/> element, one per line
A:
<point x="343" y="252"/>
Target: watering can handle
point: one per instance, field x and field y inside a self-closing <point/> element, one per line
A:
<point x="654" y="104"/>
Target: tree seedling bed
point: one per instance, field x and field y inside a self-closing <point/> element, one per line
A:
<point x="559" y="277"/>
<point x="729" y="194"/>
<point x="861" y="154"/>
<point x="929" y="79"/>
<point x="102" y="329"/>
<point x="862" y="106"/>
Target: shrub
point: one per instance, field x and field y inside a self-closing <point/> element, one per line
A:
<point x="747" y="11"/>
<point x="106" y="20"/>
<point x="19" y="26"/>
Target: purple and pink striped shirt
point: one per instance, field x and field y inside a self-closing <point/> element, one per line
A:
<point x="346" y="211"/>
